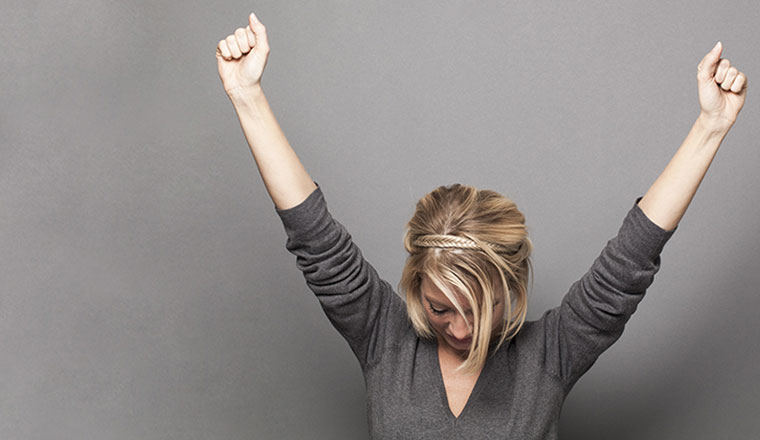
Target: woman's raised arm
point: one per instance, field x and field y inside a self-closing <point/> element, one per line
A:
<point x="722" y="89"/>
<point x="241" y="58"/>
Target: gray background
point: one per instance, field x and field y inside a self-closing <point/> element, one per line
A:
<point x="146" y="289"/>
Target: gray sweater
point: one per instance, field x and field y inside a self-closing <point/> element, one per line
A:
<point x="521" y="389"/>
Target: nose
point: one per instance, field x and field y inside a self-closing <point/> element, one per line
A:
<point x="458" y="327"/>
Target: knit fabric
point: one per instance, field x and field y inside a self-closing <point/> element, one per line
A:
<point x="521" y="389"/>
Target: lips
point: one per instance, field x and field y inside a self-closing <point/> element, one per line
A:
<point x="466" y="341"/>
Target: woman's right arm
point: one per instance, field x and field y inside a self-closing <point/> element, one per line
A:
<point x="241" y="58"/>
<point x="360" y="305"/>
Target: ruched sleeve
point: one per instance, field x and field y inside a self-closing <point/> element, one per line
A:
<point x="594" y="311"/>
<point x="358" y="303"/>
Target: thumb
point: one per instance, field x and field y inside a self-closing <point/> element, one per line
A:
<point x="708" y="65"/>
<point x="259" y="32"/>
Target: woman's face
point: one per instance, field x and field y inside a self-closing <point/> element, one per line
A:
<point x="446" y="321"/>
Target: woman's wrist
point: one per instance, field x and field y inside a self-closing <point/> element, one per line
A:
<point x="245" y="94"/>
<point x="714" y="125"/>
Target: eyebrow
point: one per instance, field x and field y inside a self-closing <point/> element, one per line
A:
<point x="432" y="301"/>
<point x="438" y="304"/>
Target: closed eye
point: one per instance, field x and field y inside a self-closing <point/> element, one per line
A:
<point x="441" y="312"/>
<point x="436" y="311"/>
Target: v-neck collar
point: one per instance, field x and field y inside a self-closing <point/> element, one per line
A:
<point x="433" y="353"/>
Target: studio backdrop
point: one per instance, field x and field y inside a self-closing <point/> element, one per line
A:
<point x="145" y="288"/>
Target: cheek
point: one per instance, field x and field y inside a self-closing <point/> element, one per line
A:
<point x="437" y="322"/>
<point x="498" y="316"/>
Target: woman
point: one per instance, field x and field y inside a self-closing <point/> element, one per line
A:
<point x="457" y="358"/>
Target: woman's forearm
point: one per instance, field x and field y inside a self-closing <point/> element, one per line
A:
<point x="283" y="174"/>
<point x="667" y="199"/>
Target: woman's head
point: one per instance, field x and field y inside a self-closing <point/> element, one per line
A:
<point x="467" y="271"/>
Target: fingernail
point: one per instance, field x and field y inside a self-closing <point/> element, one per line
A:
<point x="717" y="44"/>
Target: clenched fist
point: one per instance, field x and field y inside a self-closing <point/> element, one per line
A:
<point x="722" y="89"/>
<point x="241" y="56"/>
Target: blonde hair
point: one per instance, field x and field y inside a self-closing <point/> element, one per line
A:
<point x="472" y="243"/>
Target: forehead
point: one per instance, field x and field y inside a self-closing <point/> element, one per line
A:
<point x="431" y="290"/>
<point x="433" y="293"/>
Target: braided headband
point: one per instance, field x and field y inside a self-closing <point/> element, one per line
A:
<point x="453" y="241"/>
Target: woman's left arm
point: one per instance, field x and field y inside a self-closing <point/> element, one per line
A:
<point x="722" y="89"/>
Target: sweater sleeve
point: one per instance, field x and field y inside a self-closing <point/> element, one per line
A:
<point x="593" y="313"/>
<point x="355" y="299"/>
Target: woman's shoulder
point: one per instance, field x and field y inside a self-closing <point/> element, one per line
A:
<point x="533" y="334"/>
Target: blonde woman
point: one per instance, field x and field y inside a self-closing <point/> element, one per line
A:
<point x="457" y="358"/>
